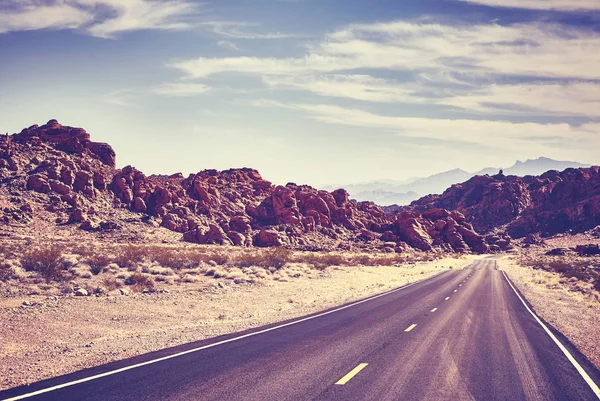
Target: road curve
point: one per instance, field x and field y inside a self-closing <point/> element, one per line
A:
<point x="461" y="335"/>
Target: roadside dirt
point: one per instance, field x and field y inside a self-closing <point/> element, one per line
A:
<point x="43" y="336"/>
<point x="570" y="305"/>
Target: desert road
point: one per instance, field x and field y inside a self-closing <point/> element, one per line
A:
<point x="461" y="335"/>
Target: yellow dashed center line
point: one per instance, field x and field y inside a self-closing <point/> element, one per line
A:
<point x="351" y="374"/>
<point x="447" y="298"/>
<point x="434" y="309"/>
<point x="455" y="290"/>
<point x="409" y="328"/>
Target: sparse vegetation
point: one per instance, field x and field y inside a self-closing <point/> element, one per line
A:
<point x="129" y="255"/>
<point x="6" y="272"/>
<point x="140" y="282"/>
<point x="48" y="262"/>
<point x="586" y="269"/>
<point x="111" y="283"/>
<point x="97" y="263"/>
<point x="322" y="261"/>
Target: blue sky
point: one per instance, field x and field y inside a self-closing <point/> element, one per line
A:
<point x="310" y="91"/>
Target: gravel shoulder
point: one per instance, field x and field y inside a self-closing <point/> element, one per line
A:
<point x="55" y="335"/>
<point x="568" y="305"/>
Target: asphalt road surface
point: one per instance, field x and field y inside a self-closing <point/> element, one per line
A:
<point x="461" y="335"/>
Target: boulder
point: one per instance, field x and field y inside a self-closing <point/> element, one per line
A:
<point x="411" y="231"/>
<point x="78" y="215"/>
<point x="589" y="249"/>
<point x="59" y="187"/>
<point x="267" y="238"/>
<point x="557" y="252"/>
<point x="38" y="183"/>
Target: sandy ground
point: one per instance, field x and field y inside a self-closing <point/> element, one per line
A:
<point x="59" y="335"/>
<point x="567" y="305"/>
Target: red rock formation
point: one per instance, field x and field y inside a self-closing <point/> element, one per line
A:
<point x="67" y="139"/>
<point x="554" y="202"/>
<point x="76" y="177"/>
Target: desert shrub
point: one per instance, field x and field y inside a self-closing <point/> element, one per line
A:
<point x="97" y="263"/>
<point x="196" y="257"/>
<point x="83" y="250"/>
<point x="275" y="257"/>
<point x="322" y="261"/>
<point x="364" y="260"/>
<point x="6" y="248"/>
<point x="219" y="258"/>
<point x="139" y="282"/>
<point x="278" y="257"/>
<point x="6" y="272"/>
<point x="168" y="257"/>
<point x="129" y="256"/>
<point x="379" y="261"/>
<point x="248" y="259"/>
<point x="111" y="283"/>
<point x="47" y="262"/>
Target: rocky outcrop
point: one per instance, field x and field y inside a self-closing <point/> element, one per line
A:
<point x="67" y="139"/>
<point x="76" y="179"/>
<point x="554" y="202"/>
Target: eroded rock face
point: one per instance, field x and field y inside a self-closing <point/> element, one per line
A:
<point x="75" y="177"/>
<point x="67" y="139"/>
<point x="554" y="202"/>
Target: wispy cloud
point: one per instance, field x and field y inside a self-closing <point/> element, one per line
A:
<point x="499" y="134"/>
<point x="30" y="16"/>
<point x="181" y="89"/>
<point x="559" y="5"/>
<point x="455" y="66"/>
<point x="122" y="97"/>
<point x="557" y="99"/>
<point x="229" y="45"/>
<point x="132" y="15"/>
<point x="242" y="30"/>
<point x="359" y="87"/>
<point x="101" y="18"/>
<point x="522" y="49"/>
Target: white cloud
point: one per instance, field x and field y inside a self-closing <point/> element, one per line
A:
<point x="135" y="15"/>
<point x="181" y="89"/>
<point x="562" y="99"/>
<point x="226" y="44"/>
<point x="123" y="97"/>
<point x="239" y="30"/>
<point x="499" y="134"/>
<point x="31" y="17"/>
<point x="102" y="18"/>
<point x="451" y="65"/>
<point x="560" y="5"/>
<point x="523" y="49"/>
<point x="359" y="87"/>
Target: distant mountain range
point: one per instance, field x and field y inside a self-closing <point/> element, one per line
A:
<point x="388" y="192"/>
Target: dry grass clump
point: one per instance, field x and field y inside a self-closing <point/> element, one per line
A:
<point x="128" y="256"/>
<point x="140" y="282"/>
<point x="276" y="257"/>
<point x="6" y="272"/>
<point x="98" y="262"/>
<point x="322" y="261"/>
<point x="111" y="283"/>
<point x="48" y="262"/>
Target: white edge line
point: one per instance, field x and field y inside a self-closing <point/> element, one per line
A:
<point x="565" y="351"/>
<point x="164" y="358"/>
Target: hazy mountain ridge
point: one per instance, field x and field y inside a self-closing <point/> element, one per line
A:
<point x="389" y="192"/>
